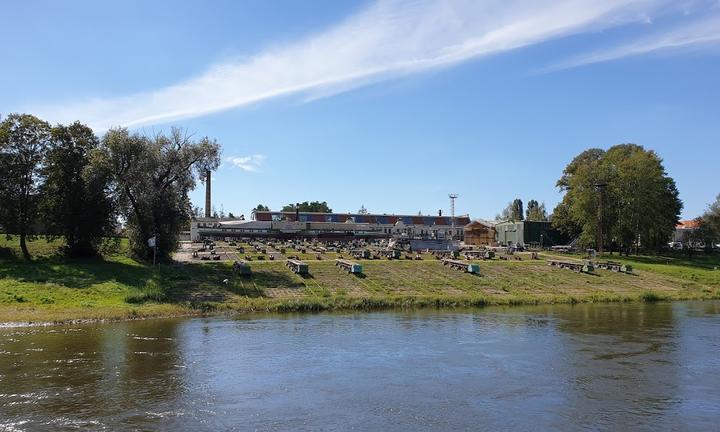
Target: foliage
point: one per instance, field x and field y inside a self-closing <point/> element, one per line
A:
<point x="310" y="207"/>
<point x="709" y="225"/>
<point x="151" y="178"/>
<point x="640" y="204"/>
<point x="536" y="211"/>
<point x="513" y="211"/>
<point x="75" y="201"/>
<point x="24" y="139"/>
<point x="260" y="208"/>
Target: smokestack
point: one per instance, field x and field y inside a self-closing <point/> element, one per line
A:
<point x="208" y="201"/>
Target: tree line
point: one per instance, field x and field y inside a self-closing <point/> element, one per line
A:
<point x="64" y="181"/>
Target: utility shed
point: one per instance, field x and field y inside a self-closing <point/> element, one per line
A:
<point x="479" y="233"/>
<point x="526" y="233"/>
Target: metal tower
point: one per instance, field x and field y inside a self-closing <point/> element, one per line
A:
<point x="452" y="197"/>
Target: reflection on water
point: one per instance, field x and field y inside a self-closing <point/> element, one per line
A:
<point x="620" y="366"/>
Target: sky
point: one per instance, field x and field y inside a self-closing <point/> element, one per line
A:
<point x="389" y="104"/>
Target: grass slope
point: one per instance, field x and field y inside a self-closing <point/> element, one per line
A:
<point x="51" y="288"/>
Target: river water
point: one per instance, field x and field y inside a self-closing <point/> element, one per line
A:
<point x="598" y="367"/>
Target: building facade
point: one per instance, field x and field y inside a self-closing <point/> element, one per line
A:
<point x="527" y="233"/>
<point x="331" y="225"/>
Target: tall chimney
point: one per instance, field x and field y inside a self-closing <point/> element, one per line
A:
<point x="208" y="201"/>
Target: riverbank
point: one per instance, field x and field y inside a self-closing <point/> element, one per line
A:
<point x="52" y="289"/>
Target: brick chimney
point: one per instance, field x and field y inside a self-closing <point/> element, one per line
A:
<point x="208" y="201"/>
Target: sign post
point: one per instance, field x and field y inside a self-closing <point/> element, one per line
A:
<point x="152" y="242"/>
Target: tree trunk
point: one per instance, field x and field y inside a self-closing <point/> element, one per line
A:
<point x="23" y="247"/>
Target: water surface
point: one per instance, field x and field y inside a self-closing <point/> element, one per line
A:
<point x="614" y="367"/>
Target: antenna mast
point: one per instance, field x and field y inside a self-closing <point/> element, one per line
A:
<point x="452" y="197"/>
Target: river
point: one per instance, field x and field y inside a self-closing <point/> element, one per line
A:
<point x="599" y="367"/>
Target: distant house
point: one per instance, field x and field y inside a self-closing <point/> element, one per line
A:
<point x="527" y="233"/>
<point x="684" y="230"/>
<point x="480" y="233"/>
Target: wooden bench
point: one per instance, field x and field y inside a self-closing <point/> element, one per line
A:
<point x="574" y="266"/>
<point x="614" y="266"/>
<point x="479" y="254"/>
<point x="349" y="266"/>
<point x="360" y="254"/>
<point x="298" y="266"/>
<point x="462" y="265"/>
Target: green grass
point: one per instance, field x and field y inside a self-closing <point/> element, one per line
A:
<point x="51" y="288"/>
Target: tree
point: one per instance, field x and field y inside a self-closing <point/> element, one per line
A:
<point x="260" y="208"/>
<point x="75" y="201"/>
<point x="536" y="211"/>
<point x="151" y="178"/>
<point x="513" y="211"/>
<point x="24" y="140"/>
<point x="709" y="224"/>
<point x="310" y="207"/>
<point x="640" y="203"/>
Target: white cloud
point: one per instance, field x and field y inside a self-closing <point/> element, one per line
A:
<point x="390" y="38"/>
<point x="695" y="34"/>
<point x="250" y="163"/>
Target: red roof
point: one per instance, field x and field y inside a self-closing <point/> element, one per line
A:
<point x="687" y="224"/>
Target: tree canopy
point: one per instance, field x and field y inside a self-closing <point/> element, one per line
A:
<point x="261" y="207"/>
<point x="513" y="211"/>
<point x="151" y="178"/>
<point x="536" y="211"/>
<point x="709" y="223"/>
<point x="75" y="198"/>
<point x="311" y="207"/>
<point x="24" y="140"/>
<point x="640" y="204"/>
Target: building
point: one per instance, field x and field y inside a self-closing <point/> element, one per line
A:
<point x="684" y="231"/>
<point x="527" y="233"/>
<point x="480" y="233"/>
<point x="331" y="226"/>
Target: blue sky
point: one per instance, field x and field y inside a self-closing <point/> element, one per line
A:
<point x="387" y="104"/>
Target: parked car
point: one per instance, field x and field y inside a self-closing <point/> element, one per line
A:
<point x="675" y="245"/>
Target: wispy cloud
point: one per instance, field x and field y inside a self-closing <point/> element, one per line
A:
<point x="390" y="38"/>
<point x="687" y="36"/>
<point x="250" y="163"/>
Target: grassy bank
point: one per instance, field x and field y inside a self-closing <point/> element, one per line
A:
<point x="51" y="288"/>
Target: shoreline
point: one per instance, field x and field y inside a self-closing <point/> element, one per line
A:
<point x="52" y="290"/>
<point x="356" y="304"/>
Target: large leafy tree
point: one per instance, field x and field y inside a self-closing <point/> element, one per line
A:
<point x="75" y="200"/>
<point x="312" y="206"/>
<point x="623" y="194"/>
<point x="536" y="211"/>
<point x="24" y="140"/>
<point x="151" y="178"/>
